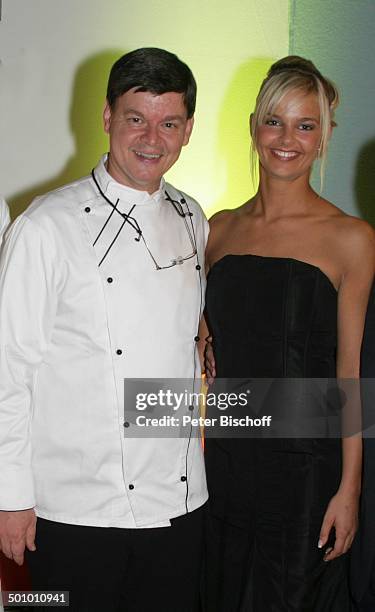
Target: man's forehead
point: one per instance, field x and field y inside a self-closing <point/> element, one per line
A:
<point x="170" y="101"/>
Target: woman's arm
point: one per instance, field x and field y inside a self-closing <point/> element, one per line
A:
<point x="203" y="336"/>
<point x="217" y="224"/>
<point x="357" y="277"/>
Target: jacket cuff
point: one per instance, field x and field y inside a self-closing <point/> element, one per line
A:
<point x="16" y="489"/>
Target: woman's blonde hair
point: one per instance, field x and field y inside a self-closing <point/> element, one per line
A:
<point x="289" y="73"/>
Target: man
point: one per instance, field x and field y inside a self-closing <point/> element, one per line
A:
<point x="4" y="217"/>
<point x="101" y="281"/>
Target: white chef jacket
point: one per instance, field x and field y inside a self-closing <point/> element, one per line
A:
<point x="4" y="217"/>
<point x="72" y="330"/>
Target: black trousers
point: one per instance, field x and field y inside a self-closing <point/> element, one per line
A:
<point x="121" y="570"/>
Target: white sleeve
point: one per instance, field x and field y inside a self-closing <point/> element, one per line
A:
<point x="27" y="306"/>
<point x="4" y="217"/>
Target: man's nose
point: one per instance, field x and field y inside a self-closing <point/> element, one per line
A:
<point x="150" y="135"/>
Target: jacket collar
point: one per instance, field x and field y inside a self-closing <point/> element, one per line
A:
<point x="114" y="190"/>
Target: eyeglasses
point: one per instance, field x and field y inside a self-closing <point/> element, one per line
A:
<point x="127" y="218"/>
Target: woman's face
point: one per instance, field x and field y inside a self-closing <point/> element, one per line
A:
<point x="289" y="138"/>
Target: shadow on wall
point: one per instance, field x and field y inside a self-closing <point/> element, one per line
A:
<point x="365" y="182"/>
<point x="88" y="95"/>
<point x="233" y="143"/>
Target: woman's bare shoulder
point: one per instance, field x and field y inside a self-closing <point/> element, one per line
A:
<point x="348" y="225"/>
<point x="352" y="229"/>
<point x="222" y="229"/>
<point x="222" y="217"/>
<point x="228" y="215"/>
<point x="353" y="239"/>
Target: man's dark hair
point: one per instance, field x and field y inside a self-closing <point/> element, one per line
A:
<point x="154" y="70"/>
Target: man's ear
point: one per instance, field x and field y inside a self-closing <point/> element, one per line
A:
<point x="107" y="114"/>
<point x="188" y="130"/>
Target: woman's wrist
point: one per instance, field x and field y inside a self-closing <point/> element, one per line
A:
<point x="350" y="487"/>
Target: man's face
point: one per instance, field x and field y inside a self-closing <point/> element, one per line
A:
<point x="146" y="135"/>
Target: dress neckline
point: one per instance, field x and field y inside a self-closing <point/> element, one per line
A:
<point x="269" y="257"/>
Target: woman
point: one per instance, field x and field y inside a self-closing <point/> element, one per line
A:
<point x="287" y="292"/>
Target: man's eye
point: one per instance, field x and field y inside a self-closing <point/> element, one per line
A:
<point x="134" y="120"/>
<point x="169" y="124"/>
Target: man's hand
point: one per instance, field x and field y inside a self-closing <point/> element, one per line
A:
<point x="17" y="531"/>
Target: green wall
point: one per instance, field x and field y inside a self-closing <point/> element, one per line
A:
<point x="339" y="36"/>
<point x="54" y="62"/>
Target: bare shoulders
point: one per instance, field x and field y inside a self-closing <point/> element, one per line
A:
<point x="351" y="245"/>
<point x="348" y="230"/>
<point x="222" y="224"/>
<point x="222" y="217"/>
<point x="348" y="239"/>
<point x="344" y="229"/>
<point x="325" y="236"/>
<point x="353" y="229"/>
<point x="227" y="217"/>
<point x="345" y="222"/>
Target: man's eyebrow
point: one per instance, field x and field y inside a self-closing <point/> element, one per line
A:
<point x="174" y="118"/>
<point x="133" y="111"/>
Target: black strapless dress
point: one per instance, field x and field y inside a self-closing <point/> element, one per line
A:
<point x="271" y="317"/>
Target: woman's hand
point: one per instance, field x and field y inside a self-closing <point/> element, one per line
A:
<point x="342" y="514"/>
<point x="209" y="361"/>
